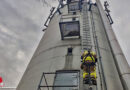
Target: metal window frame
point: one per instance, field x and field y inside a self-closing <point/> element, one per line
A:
<point x="65" y="37"/>
<point x="57" y="72"/>
<point x="76" y="9"/>
<point x="69" y="1"/>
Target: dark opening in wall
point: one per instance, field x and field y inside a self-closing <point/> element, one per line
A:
<point x="70" y="50"/>
<point x="74" y="13"/>
<point x="73" y="19"/>
<point x="70" y="29"/>
<point x="73" y="6"/>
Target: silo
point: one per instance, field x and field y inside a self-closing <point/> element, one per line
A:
<point x="73" y="28"/>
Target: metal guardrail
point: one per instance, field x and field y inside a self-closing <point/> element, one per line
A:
<point x="40" y="86"/>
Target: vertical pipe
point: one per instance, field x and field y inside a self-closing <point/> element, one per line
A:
<point x="97" y="50"/>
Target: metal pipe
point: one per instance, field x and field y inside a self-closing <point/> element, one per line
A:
<point x="98" y="51"/>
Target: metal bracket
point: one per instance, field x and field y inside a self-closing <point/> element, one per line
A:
<point x="40" y="86"/>
<point x="90" y="5"/>
<point x="108" y="12"/>
<point x="50" y="16"/>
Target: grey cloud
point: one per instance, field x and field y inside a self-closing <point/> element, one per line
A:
<point x="17" y="34"/>
<point x="20" y="31"/>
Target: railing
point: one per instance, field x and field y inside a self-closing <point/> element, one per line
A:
<point x="44" y="85"/>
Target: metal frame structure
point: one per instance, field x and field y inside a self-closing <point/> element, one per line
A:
<point x="108" y="12"/>
<point x="74" y="10"/>
<point x="74" y="1"/>
<point x="57" y="72"/>
<point x="69" y="1"/>
<point x="62" y="35"/>
<point x="50" y="16"/>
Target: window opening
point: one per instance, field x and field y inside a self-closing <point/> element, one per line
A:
<point x="69" y="1"/>
<point x="70" y="50"/>
<point x="73" y="19"/>
<point x="70" y="29"/>
<point x="74" y="13"/>
<point x="73" y="6"/>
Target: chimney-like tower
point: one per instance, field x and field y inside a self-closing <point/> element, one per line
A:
<point x="74" y="27"/>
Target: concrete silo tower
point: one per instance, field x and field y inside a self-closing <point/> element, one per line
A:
<point x="74" y="27"/>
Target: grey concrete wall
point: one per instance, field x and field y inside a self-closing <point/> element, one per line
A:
<point x="50" y="55"/>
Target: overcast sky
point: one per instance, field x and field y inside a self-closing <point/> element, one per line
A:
<point x="21" y="24"/>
